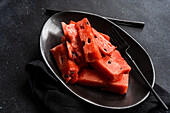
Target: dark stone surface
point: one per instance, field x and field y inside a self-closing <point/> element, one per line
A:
<point x="20" y="27"/>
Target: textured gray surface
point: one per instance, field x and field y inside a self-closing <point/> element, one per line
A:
<point x="20" y="26"/>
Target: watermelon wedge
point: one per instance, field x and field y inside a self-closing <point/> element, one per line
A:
<point x="119" y="59"/>
<point x="90" y="49"/>
<point x="119" y="87"/>
<point x="76" y="55"/>
<point x="91" y="77"/>
<point x="109" y="67"/>
<point x="67" y="67"/>
<point x="104" y="45"/>
<point x="70" y="33"/>
<point x="73" y="43"/>
<point x="112" y="65"/>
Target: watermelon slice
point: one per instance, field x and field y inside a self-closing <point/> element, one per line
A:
<point x="70" y="33"/>
<point x="76" y="55"/>
<point x="67" y="67"/>
<point x="120" y="86"/>
<point x="109" y="68"/>
<point x="119" y="59"/>
<point x="91" y="51"/>
<point x="90" y="77"/>
<point x="113" y="65"/>
<point x="104" y="45"/>
<point x="73" y="43"/>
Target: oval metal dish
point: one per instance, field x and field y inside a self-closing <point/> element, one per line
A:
<point x="137" y="91"/>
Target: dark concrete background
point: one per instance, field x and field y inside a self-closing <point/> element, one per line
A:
<point x="21" y="22"/>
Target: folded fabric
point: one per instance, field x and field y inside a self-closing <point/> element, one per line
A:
<point x="57" y="99"/>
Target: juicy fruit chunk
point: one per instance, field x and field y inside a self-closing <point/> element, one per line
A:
<point x="90" y="49"/>
<point x="70" y="32"/>
<point x="67" y="67"/>
<point x="119" y="59"/>
<point x="120" y="86"/>
<point x="73" y="43"/>
<point x="90" y="77"/>
<point x="113" y="66"/>
<point x="104" y="45"/>
<point x="109" y="68"/>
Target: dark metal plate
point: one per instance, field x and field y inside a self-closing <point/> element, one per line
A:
<point x="137" y="91"/>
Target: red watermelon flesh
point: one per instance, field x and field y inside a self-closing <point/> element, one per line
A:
<point x="72" y="22"/>
<point x="76" y="55"/>
<point x="74" y="45"/>
<point x="104" y="45"/>
<point x="109" y="68"/>
<point x="120" y="86"/>
<point x="90" y="49"/>
<point x="67" y="67"/>
<point x="70" y="49"/>
<point x="105" y="36"/>
<point x="91" y="77"/>
<point x="119" y="59"/>
<point x="70" y="33"/>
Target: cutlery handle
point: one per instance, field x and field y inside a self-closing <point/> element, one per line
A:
<point x="146" y="81"/>
<point x="117" y="21"/>
<point x="127" y="22"/>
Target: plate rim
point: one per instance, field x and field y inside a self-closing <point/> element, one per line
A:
<point x="91" y="102"/>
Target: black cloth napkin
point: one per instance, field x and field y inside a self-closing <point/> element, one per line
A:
<point x="57" y="99"/>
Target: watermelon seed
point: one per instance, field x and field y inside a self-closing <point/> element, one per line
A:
<point x="83" y="43"/>
<point x="109" y="62"/>
<point x="87" y="23"/>
<point x="88" y="40"/>
<point x="121" y="68"/>
<point x="102" y="55"/>
<point x="95" y="36"/>
<point x="81" y="27"/>
<point x="74" y="53"/>
<point x="72" y="72"/>
<point x="75" y="60"/>
<point x="105" y="49"/>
